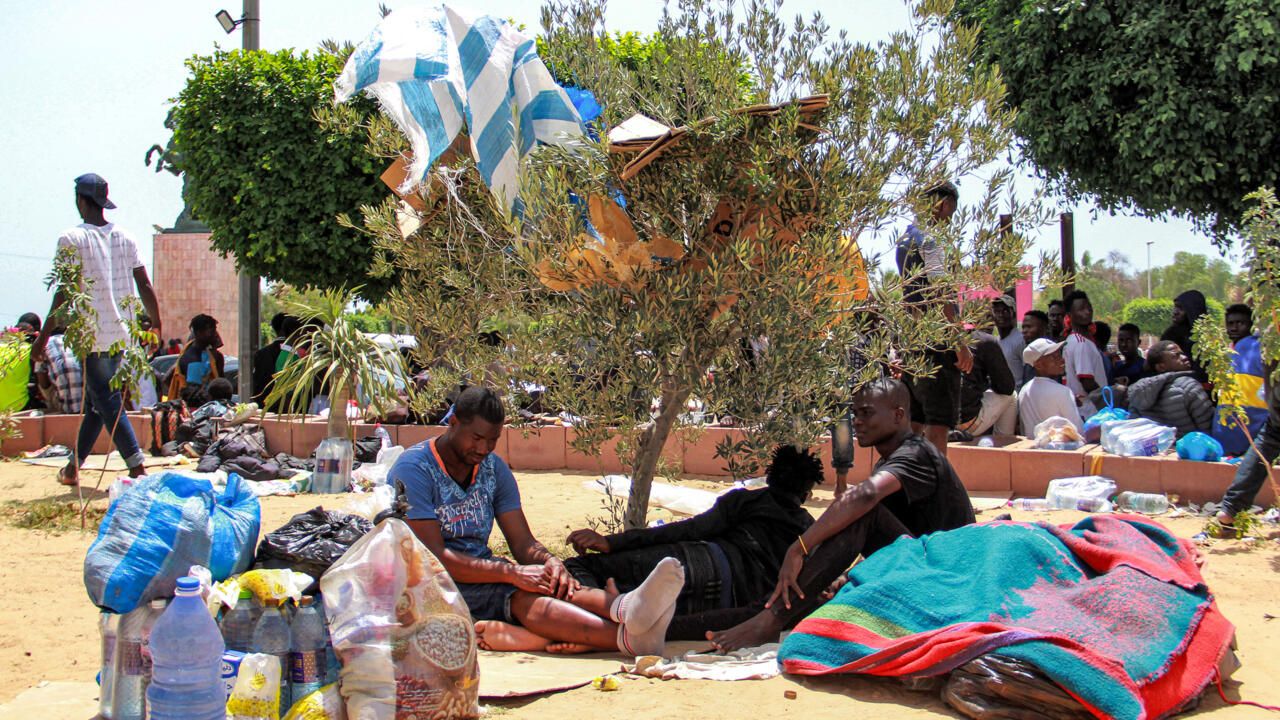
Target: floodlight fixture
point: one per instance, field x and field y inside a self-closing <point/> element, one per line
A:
<point x="227" y="22"/>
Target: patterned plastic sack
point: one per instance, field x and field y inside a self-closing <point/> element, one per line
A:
<point x="155" y="532"/>
<point x="323" y="704"/>
<point x="401" y="630"/>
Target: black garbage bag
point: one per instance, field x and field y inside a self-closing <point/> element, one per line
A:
<point x="311" y="541"/>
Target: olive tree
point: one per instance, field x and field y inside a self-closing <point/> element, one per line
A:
<point x="722" y="263"/>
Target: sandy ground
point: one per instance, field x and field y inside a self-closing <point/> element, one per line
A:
<point x="48" y="628"/>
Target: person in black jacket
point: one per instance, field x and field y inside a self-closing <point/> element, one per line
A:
<point x="731" y="553"/>
<point x="264" y="361"/>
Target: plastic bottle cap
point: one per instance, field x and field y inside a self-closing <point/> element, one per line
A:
<point x="158" y="604"/>
<point x="188" y="584"/>
<point x="245" y="595"/>
<point x="306" y="601"/>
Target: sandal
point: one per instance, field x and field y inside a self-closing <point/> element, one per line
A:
<point x="68" y="479"/>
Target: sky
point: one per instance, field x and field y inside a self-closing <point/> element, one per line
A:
<point x="90" y="83"/>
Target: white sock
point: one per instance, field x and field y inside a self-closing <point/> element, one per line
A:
<point x="644" y="606"/>
<point x="649" y="642"/>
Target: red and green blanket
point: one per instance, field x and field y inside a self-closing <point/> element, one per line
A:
<point x="1113" y="609"/>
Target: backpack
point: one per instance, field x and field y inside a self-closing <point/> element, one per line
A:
<point x="165" y="419"/>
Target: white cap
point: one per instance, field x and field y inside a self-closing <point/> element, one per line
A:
<point x="1032" y="353"/>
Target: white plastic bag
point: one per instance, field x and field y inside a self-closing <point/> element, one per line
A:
<point x="683" y="500"/>
<point x="401" y="630"/>
<point x="1088" y="492"/>
<point x="1058" y="433"/>
<point x="368" y="505"/>
<point x="256" y="695"/>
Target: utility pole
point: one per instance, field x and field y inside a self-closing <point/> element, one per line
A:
<point x="1148" y="268"/>
<point x="249" y="283"/>
<point x="1067" y="237"/>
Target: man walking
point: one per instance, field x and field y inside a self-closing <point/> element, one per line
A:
<point x="108" y="258"/>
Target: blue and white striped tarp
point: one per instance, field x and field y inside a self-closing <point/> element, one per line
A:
<point x="436" y="71"/>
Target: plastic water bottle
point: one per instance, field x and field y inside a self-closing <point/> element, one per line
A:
<point x="332" y="667"/>
<point x="186" y="654"/>
<point x="1149" y="503"/>
<point x="272" y="637"/>
<point x="334" y="459"/>
<point x="383" y="436"/>
<point x="133" y="662"/>
<point x="986" y="442"/>
<point x="307" y="650"/>
<point x="326" y="472"/>
<point x="1030" y="504"/>
<point x="107" y="625"/>
<point x="238" y="624"/>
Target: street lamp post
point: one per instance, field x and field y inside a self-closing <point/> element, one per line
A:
<point x="1148" y="268"/>
<point x="250" y="295"/>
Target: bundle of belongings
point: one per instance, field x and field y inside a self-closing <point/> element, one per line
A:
<point x="1113" y="610"/>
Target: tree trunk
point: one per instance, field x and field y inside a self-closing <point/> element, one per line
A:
<point x="648" y="452"/>
<point x="338" y="425"/>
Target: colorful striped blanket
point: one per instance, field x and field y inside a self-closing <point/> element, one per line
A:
<point x="1113" y="609"/>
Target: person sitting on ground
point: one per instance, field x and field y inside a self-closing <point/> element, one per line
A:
<point x="1250" y="376"/>
<point x="29" y="325"/>
<point x="1171" y="396"/>
<point x="1128" y="363"/>
<point x="1045" y="396"/>
<point x="1035" y="325"/>
<point x="912" y="490"/>
<point x="731" y="553"/>
<point x="60" y="376"/>
<point x="201" y="361"/>
<point x="1187" y="309"/>
<point x="1086" y="372"/>
<point x="217" y="400"/>
<point x="15" y="372"/>
<point x="1057" y="320"/>
<point x="457" y="489"/>
<point x="1004" y="316"/>
<point x="987" y="399"/>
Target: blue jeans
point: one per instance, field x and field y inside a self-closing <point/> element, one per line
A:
<point x="1252" y="472"/>
<point x="103" y="407"/>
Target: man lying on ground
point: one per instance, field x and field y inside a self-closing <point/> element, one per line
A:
<point x="913" y="490"/>
<point x="731" y="553"/>
<point x="456" y="489"/>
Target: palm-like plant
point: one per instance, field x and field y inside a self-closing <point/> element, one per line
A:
<point x="336" y="355"/>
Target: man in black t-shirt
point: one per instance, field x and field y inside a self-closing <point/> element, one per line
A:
<point x="987" y="392"/>
<point x="731" y="553"/>
<point x="913" y="490"/>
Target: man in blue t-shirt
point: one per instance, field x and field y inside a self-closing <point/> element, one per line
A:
<point x="457" y="489"/>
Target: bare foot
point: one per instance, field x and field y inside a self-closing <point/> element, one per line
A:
<point x="137" y="472"/>
<point x="568" y="648"/>
<point x="759" y="630"/>
<point x="499" y="636"/>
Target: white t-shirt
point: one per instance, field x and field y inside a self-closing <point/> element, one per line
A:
<point x="108" y="256"/>
<point x="1042" y="398"/>
<point x="1083" y="360"/>
<point x="1012" y="347"/>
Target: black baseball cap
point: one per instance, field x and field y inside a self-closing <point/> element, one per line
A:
<point x="92" y="186"/>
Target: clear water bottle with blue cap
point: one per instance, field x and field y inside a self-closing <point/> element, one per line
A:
<point x="186" y="655"/>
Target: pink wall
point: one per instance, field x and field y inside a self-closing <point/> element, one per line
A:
<point x="190" y="279"/>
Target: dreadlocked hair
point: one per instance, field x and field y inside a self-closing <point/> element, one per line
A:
<point x="793" y="472"/>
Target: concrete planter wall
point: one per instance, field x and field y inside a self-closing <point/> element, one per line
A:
<point x="1014" y="465"/>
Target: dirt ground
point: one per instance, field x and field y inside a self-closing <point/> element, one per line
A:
<point x="48" y="628"/>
